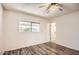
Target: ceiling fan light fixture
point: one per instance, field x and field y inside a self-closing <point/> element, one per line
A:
<point x="54" y="7"/>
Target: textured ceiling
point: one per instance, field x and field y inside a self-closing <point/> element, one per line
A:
<point x="33" y="8"/>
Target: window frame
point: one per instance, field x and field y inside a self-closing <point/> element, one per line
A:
<point x="31" y="29"/>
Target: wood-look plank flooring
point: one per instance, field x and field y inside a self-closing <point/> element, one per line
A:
<point x="40" y="49"/>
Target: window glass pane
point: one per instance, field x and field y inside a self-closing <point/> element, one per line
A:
<point x="28" y="26"/>
<point x="35" y="24"/>
<point x="27" y="29"/>
<point x="25" y="23"/>
<point x="35" y="27"/>
<point x="24" y="26"/>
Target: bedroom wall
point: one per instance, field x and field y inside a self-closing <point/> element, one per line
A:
<point x="15" y="39"/>
<point x="67" y="30"/>
<point x="1" y="28"/>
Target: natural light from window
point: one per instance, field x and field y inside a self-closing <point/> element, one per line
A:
<point x="25" y="26"/>
<point x="53" y="31"/>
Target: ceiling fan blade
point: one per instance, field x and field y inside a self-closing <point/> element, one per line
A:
<point x="60" y="9"/>
<point x="48" y="7"/>
<point x="41" y="6"/>
<point x="52" y="6"/>
<point x="44" y="5"/>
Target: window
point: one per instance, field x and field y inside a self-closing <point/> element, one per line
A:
<point x="35" y="27"/>
<point x="25" y="26"/>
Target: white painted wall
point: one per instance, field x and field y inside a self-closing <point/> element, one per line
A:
<point x="15" y="39"/>
<point x="67" y="30"/>
<point x="1" y="28"/>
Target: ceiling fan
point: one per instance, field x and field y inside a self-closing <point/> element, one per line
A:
<point x="52" y="6"/>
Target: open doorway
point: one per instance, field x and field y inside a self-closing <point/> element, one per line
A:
<point x="53" y="31"/>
